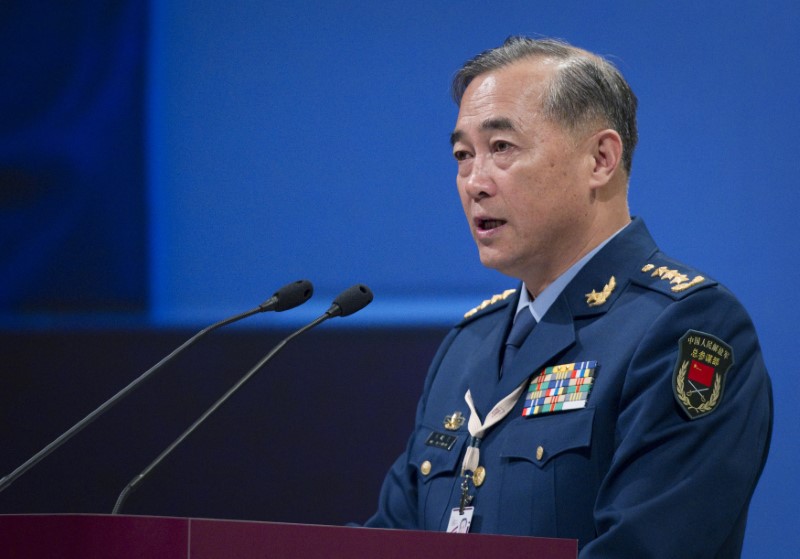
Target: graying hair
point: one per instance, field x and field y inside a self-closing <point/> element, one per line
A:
<point x="586" y="89"/>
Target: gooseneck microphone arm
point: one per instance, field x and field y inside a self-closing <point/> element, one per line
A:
<point x="287" y="297"/>
<point x="348" y="302"/>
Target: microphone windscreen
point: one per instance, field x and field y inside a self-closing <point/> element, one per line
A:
<point x="293" y="294"/>
<point x="351" y="300"/>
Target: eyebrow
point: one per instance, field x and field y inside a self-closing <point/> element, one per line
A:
<point x="499" y="123"/>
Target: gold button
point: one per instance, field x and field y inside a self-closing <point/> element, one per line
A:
<point x="425" y="468"/>
<point x="478" y="476"/>
<point x="539" y="452"/>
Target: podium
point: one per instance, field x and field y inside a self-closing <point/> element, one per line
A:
<point x="89" y="536"/>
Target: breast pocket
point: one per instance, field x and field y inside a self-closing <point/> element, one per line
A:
<point x="547" y="461"/>
<point x="437" y="462"/>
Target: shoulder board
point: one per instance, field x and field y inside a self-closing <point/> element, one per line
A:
<point x="489" y="302"/>
<point x="671" y="278"/>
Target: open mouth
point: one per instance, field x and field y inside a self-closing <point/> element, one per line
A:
<point x="489" y="224"/>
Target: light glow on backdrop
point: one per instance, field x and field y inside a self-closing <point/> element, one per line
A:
<point x="312" y="142"/>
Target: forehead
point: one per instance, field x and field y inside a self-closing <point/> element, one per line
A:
<point x="513" y="93"/>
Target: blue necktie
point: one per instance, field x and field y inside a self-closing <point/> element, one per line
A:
<point x="523" y="326"/>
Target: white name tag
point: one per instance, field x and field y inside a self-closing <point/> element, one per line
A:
<point x="460" y="523"/>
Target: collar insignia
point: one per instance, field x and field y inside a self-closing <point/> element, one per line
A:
<point x="453" y="422"/>
<point x="681" y="281"/>
<point x="595" y="299"/>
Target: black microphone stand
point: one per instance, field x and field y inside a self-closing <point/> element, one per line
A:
<point x="348" y="302"/>
<point x="287" y="297"/>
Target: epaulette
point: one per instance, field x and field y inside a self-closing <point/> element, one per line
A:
<point x="489" y="302"/>
<point x="667" y="278"/>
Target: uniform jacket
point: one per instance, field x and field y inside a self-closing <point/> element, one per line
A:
<point x="632" y="474"/>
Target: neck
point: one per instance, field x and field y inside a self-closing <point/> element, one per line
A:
<point x="540" y="278"/>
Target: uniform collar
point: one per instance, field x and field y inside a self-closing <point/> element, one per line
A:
<point x="546" y="298"/>
<point x="602" y="279"/>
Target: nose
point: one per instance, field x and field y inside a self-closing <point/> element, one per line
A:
<point x="478" y="181"/>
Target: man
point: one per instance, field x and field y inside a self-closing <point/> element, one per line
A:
<point x="636" y="414"/>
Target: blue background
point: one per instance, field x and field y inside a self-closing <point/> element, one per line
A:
<point x="186" y="159"/>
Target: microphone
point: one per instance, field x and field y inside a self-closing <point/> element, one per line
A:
<point x="349" y="301"/>
<point x="287" y="297"/>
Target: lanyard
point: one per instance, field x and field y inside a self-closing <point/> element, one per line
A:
<point x="478" y="429"/>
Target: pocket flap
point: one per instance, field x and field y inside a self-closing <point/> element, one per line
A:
<point x="541" y="438"/>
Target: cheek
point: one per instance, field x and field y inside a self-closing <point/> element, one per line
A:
<point x="462" y="194"/>
<point x="460" y="188"/>
<point x="539" y="201"/>
<point x="464" y="168"/>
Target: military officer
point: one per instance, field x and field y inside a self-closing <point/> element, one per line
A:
<point x="616" y="396"/>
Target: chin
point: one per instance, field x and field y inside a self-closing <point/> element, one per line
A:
<point x="495" y="262"/>
<point x="503" y="264"/>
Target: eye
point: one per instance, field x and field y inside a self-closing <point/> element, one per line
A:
<point x="461" y="155"/>
<point x="500" y="146"/>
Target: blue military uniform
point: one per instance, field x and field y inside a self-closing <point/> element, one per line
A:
<point x="660" y="458"/>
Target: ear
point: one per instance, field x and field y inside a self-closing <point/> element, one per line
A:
<point x="606" y="151"/>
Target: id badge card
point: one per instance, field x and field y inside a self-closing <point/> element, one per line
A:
<point x="460" y="523"/>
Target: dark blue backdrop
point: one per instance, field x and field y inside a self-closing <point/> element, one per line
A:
<point x="262" y="143"/>
<point x="73" y="211"/>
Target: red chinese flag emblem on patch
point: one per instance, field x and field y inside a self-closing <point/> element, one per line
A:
<point x="702" y="373"/>
<point x="698" y="379"/>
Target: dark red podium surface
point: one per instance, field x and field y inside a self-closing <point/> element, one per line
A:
<point x="73" y="536"/>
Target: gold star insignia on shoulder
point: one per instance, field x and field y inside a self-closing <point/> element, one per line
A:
<point x="681" y="281"/>
<point x="595" y="299"/>
<point x="504" y="295"/>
